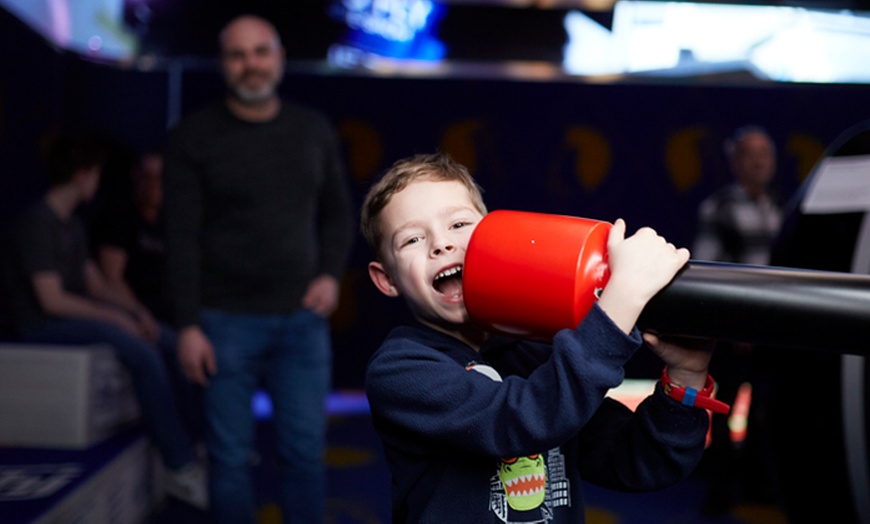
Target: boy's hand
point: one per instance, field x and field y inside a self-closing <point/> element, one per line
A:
<point x="640" y="266"/>
<point x="687" y="359"/>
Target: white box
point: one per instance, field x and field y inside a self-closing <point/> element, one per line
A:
<point x="120" y="493"/>
<point x="110" y="483"/>
<point x="66" y="397"/>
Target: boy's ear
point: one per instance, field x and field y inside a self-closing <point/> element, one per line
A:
<point x="382" y="279"/>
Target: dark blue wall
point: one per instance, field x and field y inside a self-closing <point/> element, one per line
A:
<point x="647" y="152"/>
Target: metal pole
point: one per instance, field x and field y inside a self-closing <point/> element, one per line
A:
<point x="774" y="306"/>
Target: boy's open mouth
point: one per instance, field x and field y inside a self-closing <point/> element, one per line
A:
<point x="449" y="282"/>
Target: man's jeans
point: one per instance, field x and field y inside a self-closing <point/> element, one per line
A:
<point x="145" y="364"/>
<point x="291" y="356"/>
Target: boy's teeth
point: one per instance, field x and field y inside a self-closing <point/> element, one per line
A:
<point x="447" y="273"/>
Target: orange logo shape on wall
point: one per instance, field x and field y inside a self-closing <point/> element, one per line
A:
<point x="593" y="155"/>
<point x="683" y="157"/>
<point x="365" y="150"/>
<point x="807" y="150"/>
<point x="460" y="142"/>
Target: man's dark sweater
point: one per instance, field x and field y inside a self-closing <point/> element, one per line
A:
<point x="254" y="211"/>
<point x="463" y="446"/>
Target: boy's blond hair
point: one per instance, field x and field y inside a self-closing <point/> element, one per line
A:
<point x="432" y="167"/>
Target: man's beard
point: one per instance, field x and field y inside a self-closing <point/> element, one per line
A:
<point x="254" y="96"/>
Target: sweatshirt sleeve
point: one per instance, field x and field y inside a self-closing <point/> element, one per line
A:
<point x="427" y="399"/>
<point x="656" y="446"/>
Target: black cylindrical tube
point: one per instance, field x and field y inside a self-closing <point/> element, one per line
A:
<point x="773" y="306"/>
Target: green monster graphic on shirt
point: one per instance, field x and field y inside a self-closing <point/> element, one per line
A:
<point x="524" y="480"/>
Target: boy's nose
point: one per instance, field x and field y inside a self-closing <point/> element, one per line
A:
<point x="443" y="247"/>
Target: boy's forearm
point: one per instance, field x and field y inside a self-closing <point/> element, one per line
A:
<point x="621" y="305"/>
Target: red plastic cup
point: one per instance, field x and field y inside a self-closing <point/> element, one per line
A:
<point x="533" y="274"/>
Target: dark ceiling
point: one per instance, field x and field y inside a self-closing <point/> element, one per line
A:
<point x="190" y="27"/>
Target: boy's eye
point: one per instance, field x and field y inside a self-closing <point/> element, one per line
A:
<point x="459" y="225"/>
<point x="412" y="240"/>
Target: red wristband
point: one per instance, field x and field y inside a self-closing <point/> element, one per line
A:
<point x="692" y="397"/>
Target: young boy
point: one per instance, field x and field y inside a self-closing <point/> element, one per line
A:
<point x="478" y="427"/>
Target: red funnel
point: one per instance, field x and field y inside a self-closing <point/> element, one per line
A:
<point x="532" y="274"/>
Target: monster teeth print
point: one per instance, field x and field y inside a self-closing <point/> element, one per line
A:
<point x="524" y="480"/>
<point x="525" y="485"/>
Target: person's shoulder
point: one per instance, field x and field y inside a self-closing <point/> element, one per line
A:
<point x="411" y="354"/>
<point x="417" y="341"/>
<point x="204" y="117"/>
<point x="197" y="129"/>
<point x="723" y="197"/>
<point x="32" y="223"/>
<point x="733" y="192"/>
<point x="726" y="192"/>
<point x="401" y="344"/>
<point x="405" y="336"/>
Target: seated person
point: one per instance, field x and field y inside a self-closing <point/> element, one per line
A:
<point x="128" y="239"/>
<point x="130" y="251"/>
<point x="61" y="297"/>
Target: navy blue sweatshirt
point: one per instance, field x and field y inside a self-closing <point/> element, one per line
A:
<point x="465" y="444"/>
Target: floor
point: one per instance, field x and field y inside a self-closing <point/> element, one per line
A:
<point x="359" y="486"/>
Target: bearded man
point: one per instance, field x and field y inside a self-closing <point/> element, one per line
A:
<point x="258" y="229"/>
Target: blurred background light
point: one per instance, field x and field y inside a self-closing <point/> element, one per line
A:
<point x="825" y="42"/>
<point x="781" y="43"/>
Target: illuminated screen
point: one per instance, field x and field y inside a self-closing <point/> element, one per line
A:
<point x="403" y="30"/>
<point x="93" y="28"/>
<point x="785" y="44"/>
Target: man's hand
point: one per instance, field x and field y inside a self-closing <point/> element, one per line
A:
<point x="322" y="295"/>
<point x="196" y="355"/>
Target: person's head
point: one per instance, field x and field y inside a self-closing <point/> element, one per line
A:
<point x="251" y="59"/>
<point x="417" y="220"/>
<point x="147" y="180"/>
<point x="752" y="158"/>
<point x="76" y="160"/>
